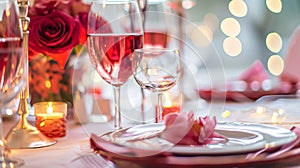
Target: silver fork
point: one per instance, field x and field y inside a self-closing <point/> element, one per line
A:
<point x="92" y="160"/>
<point x="95" y="161"/>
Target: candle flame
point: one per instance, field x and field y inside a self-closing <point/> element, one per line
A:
<point x="50" y="108"/>
<point x="167" y="100"/>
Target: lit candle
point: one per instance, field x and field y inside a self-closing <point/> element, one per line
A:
<point x="51" y="118"/>
<point x="171" y="102"/>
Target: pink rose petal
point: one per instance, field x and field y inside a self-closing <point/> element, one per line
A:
<point x="208" y="128"/>
<point x="183" y="129"/>
<point x="177" y="126"/>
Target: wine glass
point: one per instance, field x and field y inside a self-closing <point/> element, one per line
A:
<point x="157" y="70"/>
<point x="157" y="28"/>
<point x="12" y="66"/>
<point x="158" y="23"/>
<point x="114" y="31"/>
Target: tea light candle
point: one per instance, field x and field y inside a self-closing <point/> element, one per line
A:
<point x="171" y="102"/>
<point x="51" y="118"/>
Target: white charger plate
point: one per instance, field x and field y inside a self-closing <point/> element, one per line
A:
<point x="241" y="138"/>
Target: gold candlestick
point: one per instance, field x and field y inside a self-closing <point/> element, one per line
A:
<point x="24" y="135"/>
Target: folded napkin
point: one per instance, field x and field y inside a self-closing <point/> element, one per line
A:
<point x="251" y="84"/>
<point x="290" y="74"/>
<point x="270" y="153"/>
<point x="258" y="79"/>
<point x="256" y="72"/>
<point x="292" y="59"/>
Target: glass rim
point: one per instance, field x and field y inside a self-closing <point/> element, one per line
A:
<point x="54" y="103"/>
<point x="114" y="1"/>
<point x="156" y="49"/>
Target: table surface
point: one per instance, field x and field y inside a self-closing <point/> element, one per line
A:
<point x="67" y="151"/>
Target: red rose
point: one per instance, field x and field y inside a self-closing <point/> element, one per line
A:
<point x="55" y="35"/>
<point x="83" y="18"/>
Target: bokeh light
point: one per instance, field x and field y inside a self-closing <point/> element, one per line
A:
<point x="274" y="6"/>
<point x="274" y="42"/>
<point x="226" y="114"/>
<point x="238" y="8"/>
<point x="260" y="110"/>
<point x="230" y="27"/>
<point x="211" y="20"/>
<point x="275" y="65"/>
<point x="232" y="46"/>
<point x="202" y="36"/>
<point x="188" y="4"/>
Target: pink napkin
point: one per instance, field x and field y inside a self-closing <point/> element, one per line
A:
<point x="256" y="72"/>
<point x="291" y="64"/>
<point x="273" y="153"/>
<point x="252" y="84"/>
<point x="290" y="74"/>
<point x="292" y="59"/>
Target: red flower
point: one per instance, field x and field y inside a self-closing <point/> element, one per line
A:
<point x="44" y="7"/>
<point x="55" y="35"/>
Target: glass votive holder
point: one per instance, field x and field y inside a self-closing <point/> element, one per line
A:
<point x="51" y="118"/>
<point x="171" y="101"/>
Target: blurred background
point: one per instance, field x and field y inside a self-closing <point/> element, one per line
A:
<point x="244" y="30"/>
<point x="220" y="39"/>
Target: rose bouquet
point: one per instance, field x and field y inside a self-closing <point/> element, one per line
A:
<point x="57" y="32"/>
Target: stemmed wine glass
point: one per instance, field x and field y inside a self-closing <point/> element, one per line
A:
<point x="158" y="23"/>
<point x="157" y="69"/>
<point x="114" y="31"/>
<point x="12" y="66"/>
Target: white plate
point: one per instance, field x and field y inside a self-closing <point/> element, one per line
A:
<point x="242" y="138"/>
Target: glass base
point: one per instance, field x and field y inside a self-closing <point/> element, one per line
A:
<point x="10" y="162"/>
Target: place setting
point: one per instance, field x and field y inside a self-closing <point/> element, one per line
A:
<point x="213" y="144"/>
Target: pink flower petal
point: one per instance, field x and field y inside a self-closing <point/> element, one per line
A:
<point x="208" y="128"/>
<point x="177" y="126"/>
<point x="183" y="129"/>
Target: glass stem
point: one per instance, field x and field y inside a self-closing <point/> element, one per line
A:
<point x="1" y="136"/>
<point x="117" y="116"/>
<point x="158" y="109"/>
<point x="143" y="105"/>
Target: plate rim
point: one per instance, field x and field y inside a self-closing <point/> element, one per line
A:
<point x="188" y="150"/>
